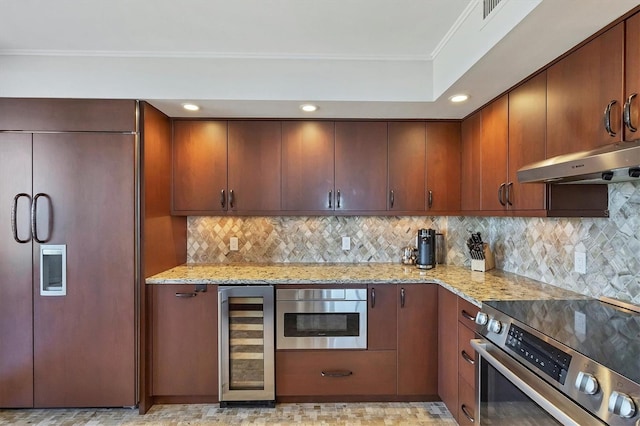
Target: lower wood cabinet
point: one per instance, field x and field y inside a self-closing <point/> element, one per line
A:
<point x="184" y="341"/>
<point x="335" y="373"/>
<point x="403" y="317"/>
<point x="456" y="373"/>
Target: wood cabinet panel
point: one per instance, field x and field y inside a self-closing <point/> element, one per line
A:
<point x="417" y="339"/>
<point x="407" y="152"/>
<point x="466" y="404"/>
<point x="84" y="342"/>
<point x="185" y="341"/>
<point x="307" y="165"/>
<point x="632" y="73"/>
<point x="199" y="166"/>
<point x="579" y="87"/>
<point x="466" y="354"/>
<point x="300" y="373"/>
<point x="16" y="314"/>
<point x="447" y="346"/>
<point x="68" y="115"/>
<point x="361" y="166"/>
<point x="443" y="167"/>
<point x="494" y="141"/>
<point x="382" y="317"/>
<point x="255" y="158"/>
<point x="467" y="312"/>
<point x="470" y="164"/>
<point x="527" y="136"/>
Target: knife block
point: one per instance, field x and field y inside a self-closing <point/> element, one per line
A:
<point x="487" y="263"/>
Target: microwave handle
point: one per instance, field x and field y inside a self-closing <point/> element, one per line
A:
<point x="514" y="372"/>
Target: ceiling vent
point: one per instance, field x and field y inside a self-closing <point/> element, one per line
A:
<point x="489" y="5"/>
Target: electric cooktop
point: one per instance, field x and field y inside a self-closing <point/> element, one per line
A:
<point x="607" y="334"/>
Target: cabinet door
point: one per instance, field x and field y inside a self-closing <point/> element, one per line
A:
<point x="470" y="164"/>
<point x="185" y="340"/>
<point x="381" y="317"/>
<point x="407" y="166"/>
<point x="16" y="296"/>
<point x="199" y="166"/>
<point x="307" y="165"/>
<point x="417" y="339"/>
<point x="494" y="143"/>
<point x="84" y="342"/>
<point x="527" y="134"/>
<point x="361" y="166"/>
<point x="447" y="347"/>
<point x="632" y="73"/>
<point x="443" y="167"/>
<point x="254" y="166"/>
<point x="579" y="87"/>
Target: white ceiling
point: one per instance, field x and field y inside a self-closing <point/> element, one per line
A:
<point x="262" y="58"/>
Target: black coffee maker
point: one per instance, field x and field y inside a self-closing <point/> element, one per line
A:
<point x="426" y="258"/>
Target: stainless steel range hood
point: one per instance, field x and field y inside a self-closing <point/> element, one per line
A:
<point x="617" y="162"/>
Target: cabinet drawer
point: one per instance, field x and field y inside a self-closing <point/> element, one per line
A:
<point x="466" y="403"/>
<point x="466" y="355"/>
<point x="467" y="312"/>
<point x="304" y="373"/>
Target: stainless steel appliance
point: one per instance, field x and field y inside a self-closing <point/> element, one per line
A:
<point x="571" y="362"/>
<point x="321" y="318"/>
<point x="246" y="345"/>
<point x="426" y="258"/>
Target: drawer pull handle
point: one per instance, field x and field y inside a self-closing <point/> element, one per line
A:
<point x="336" y="373"/>
<point x="186" y="294"/>
<point x="466" y="413"/>
<point x="468" y="316"/>
<point x="467" y="358"/>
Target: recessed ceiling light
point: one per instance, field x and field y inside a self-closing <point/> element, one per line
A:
<point x="459" y="98"/>
<point x="190" y="107"/>
<point x="308" y="107"/>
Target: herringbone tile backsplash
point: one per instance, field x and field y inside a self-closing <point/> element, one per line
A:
<point x="539" y="248"/>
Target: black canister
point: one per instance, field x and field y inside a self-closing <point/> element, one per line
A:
<point x="426" y="258"/>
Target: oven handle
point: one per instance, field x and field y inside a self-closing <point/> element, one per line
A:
<point x="514" y="371"/>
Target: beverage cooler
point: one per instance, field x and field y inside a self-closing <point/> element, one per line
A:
<point x="246" y="345"/>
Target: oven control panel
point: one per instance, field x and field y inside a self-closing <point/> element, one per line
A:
<point x="549" y="359"/>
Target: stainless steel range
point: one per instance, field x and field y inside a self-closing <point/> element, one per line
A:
<point x="571" y="362"/>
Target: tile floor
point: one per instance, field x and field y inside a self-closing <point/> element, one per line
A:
<point x="409" y="413"/>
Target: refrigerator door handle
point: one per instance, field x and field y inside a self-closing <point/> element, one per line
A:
<point x="14" y="224"/>
<point x="34" y="224"/>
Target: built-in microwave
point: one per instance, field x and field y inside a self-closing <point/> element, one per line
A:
<point x="333" y="318"/>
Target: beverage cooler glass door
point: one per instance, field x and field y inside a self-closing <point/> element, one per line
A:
<point x="246" y="344"/>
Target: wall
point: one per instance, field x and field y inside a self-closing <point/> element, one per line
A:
<point x="539" y="248"/>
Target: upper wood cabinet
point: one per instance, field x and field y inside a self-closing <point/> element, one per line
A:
<point x="527" y="136"/>
<point x="494" y="146"/>
<point x="443" y="167"/>
<point x="632" y="77"/>
<point x="361" y="166"/>
<point x="254" y="166"/>
<point x="220" y="167"/>
<point x="470" y="167"/>
<point x="199" y="166"/>
<point x="407" y="152"/>
<point x="308" y="165"/>
<point x="579" y="89"/>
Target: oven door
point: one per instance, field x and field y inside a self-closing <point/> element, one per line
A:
<point x="508" y="393"/>
<point x="321" y="324"/>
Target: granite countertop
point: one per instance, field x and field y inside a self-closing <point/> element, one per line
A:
<point x="472" y="286"/>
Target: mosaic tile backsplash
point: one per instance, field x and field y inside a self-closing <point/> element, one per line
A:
<point x="538" y="248"/>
